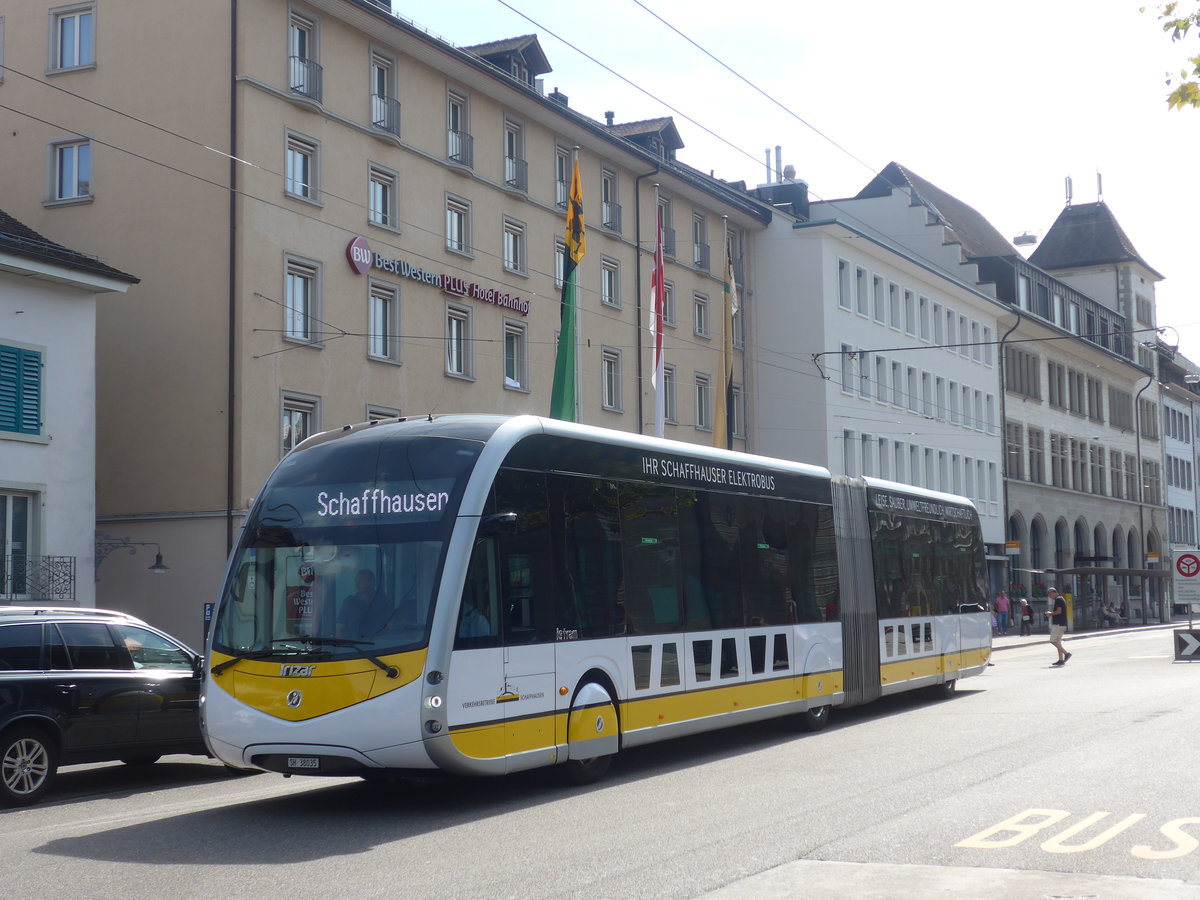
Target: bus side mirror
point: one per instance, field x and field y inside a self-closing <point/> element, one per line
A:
<point x="499" y="525"/>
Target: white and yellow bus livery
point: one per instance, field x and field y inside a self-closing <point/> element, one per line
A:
<point x="487" y="594"/>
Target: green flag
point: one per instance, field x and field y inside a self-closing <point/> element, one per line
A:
<point x="562" y="396"/>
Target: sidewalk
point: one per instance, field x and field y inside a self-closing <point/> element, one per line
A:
<point x="1042" y="636"/>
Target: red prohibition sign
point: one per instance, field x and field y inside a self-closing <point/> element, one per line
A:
<point x="1188" y="565"/>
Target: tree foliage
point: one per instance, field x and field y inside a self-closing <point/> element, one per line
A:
<point x="1177" y="22"/>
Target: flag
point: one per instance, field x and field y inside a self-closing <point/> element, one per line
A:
<point x="658" y="291"/>
<point x="562" y="395"/>
<point x="723" y="422"/>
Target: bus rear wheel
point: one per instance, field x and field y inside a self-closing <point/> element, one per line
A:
<point x="815" y="718"/>
<point x="586" y="771"/>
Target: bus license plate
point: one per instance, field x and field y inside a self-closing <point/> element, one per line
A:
<point x="304" y="762"/>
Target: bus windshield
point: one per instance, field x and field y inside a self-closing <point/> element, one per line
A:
<point x="342" y="555"/>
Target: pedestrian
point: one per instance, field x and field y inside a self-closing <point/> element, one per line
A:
<point x="1025" y="611"/>
<point x="1003" y="607"/>
<point x="1058" y="624"/>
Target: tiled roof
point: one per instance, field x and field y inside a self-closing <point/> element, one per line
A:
<point x="1085" y="235"/>
<point x="978" y="237"/>
<point x="21" y="240"/>
<point x="527" y="45"/>
<point x="663" y="126"/>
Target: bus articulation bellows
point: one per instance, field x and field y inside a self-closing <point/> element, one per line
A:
<point x="487" y="594"/>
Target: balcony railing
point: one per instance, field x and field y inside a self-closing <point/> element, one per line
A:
<point x="385" y="113"/>
<point x="610" y="216"/>
<point x="516" y="173"/>
<point x="305" y="78"/>
<point x="669" y="242"/>
<point x="37" y="577"/>
<point x="700" y="256"/>
<point x="561" y="194"/>
<point x="460" y="148"/>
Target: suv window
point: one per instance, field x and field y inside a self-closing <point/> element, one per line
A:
<point x="20" y="647"/>
<point x="150" y="651"/>
<point x="90" y="646"/>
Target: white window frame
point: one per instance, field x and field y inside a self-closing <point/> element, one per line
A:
<point x="560" y="262"/>
<point x="383" y="321"/>
<point x="611" y="387"/>
<point x="513" y="252"/>
<point x="298" y="23"/>
<point x="700" y="315"/>
<point x="64" y="174"/>
<point x="293" y="408"/>
<point x="83" y="53"/>
<point x="459" y="355"/>
<point x="383" y="187"/>
<point x="668" y="308"/>
<point x="670" y="404"/>
<point x="516" y="356"/>
<point x="610" y="282"/>
<point x="703" y="397"/>
<point x="301" y="147"/>
<point x="458" y="140"/>
<point x="300" y="324"/>
<point x="458" y="240"/>
<point x="383" y="91"/>
<point x="562" y="176"/>
<point x="516" y="176"/>
<point x="843" y="283"/>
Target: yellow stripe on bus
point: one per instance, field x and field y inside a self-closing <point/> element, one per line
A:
<point x="329" y="687"/>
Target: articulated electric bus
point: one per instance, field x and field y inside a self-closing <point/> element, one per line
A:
<point x="487" y="594"/>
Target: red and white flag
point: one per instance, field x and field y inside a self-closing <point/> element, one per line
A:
<point x="658" y="288"/>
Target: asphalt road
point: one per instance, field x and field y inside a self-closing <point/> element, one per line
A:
<point x="1032" y="782"/>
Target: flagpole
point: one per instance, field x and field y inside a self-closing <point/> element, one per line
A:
<point x="657" y="298"/>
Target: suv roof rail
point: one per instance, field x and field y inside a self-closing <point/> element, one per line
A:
<point x="66" y="611"/>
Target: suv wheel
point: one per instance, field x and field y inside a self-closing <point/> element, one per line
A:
<point x="27" y="766"/>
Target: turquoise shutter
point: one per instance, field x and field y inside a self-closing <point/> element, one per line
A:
<point x="20" y="390"/>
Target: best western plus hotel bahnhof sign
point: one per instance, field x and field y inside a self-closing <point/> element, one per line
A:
<point x="363" y="259"/>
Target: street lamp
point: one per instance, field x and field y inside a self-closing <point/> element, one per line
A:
<point x="106" y="545"/>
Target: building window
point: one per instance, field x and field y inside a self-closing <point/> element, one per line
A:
<point x="17" y="535"/>
<point x="1037" y="456"/>
<point x="737" y="411"/>
<point x="383" y="334"/>
<point x="910" y="313"/>
<point x="300" y="168"/>
<point x="303" y="69"/>
<point x="385" y="109"/>
<point x="703" y="403"/>
<point x="514" y="246"/>
<point x="894" y="316"/>
<point x="560" y="262"/>
<point x="610" y="208"/>
<point x="668" y="226"/>
<point x="700" y="248"/>
<point x="516" y="169"/>
<point x="381" y="203"/>
<point x="458" y="129"/>
<point x="923" y="317"/>
<point x="668" y="307"/>
<point x="72" y="170"/>
<point x="458" y="341"/>
<point x="300" y="420"/>
<point x="878" y="303"/>
<point x="610" y="282"/>
<point x="843" y="284"/>
<point x="562" y="176"/>
<point x="515" y="356"/>
<point x="1014" y="446"/>
<point x="700" y="314"/>
<point x="74" y="35"/>
<point x="301" y="300"/>
<point x="670" y="405"/>
<point x="860" y="291"/>
<point x="20" y="390"/>
<point x="610" y="379"/>
<point x="458" y="225"/>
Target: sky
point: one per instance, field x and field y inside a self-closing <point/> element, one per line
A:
<point x="996" y="103"/>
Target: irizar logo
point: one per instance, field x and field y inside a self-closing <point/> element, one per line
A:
<point x="291" y="670"/>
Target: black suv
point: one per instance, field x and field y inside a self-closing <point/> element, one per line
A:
<point x="86" y="685"/>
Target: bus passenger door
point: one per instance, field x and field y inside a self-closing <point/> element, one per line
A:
<point x="529" y="679"/>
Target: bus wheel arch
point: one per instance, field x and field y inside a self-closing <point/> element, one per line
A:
<point x="593" y="729"/>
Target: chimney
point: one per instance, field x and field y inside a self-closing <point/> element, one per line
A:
<point x="559" y="97"/>
<point x="608" y="117"/>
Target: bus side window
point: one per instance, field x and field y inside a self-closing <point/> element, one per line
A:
<point x="479" y="612"/>
<point x="526" y="565"/>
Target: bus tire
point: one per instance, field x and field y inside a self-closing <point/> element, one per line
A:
<point x="579" y="772"/>
<point x="815" y="718"/>
<point x="28" y="764"/>
<point x="946" y="689"/>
